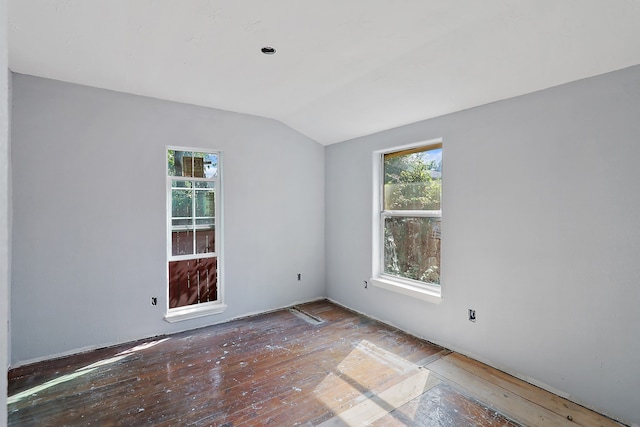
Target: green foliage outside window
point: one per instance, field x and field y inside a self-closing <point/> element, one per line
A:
<point x="412" y="182"/>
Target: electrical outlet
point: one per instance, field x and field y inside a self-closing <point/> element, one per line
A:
<point x="472" y="315"/>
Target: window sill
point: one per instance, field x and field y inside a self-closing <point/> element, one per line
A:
<point x="188" y="313"/>
<point x="408" y="289"/>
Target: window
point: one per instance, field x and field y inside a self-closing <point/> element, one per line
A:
<point x="193" y="233"/>
<point x="409" y="222"/>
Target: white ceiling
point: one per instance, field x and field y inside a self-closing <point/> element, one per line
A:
<point x="343" y="68"/>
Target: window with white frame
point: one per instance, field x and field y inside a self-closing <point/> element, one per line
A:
<point x="410" y="192"/>
<point x="193" y="233"/>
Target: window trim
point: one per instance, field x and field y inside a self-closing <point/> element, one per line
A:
<point x="194" y="311"/>
<point x="206" y="308"/>
<point x="413" y="288"/>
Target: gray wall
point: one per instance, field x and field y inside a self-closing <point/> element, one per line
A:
<point x="4" y="210"/>
<point x="89" y="233"/>
<point x="541" y="236"/>
<point x="540" y="226"/>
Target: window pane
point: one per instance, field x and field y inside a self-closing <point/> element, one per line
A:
<point x="413" y="181"/>
<point x="209" y="163"/>
<point x="412" y="248"/>
<point x="205" y="184"/>
<point x="182" y="223"/>
<point x="205" y="240"/>
<point x="205" y="203"/>
<point x="193" y="281"/>
<point x="181" y="242"/>
<point x="181" y="184"/>
<point x="176" y="163"/>
<point x="181" y="203"/>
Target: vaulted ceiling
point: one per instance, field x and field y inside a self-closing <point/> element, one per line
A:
<point x="342" y="68"/>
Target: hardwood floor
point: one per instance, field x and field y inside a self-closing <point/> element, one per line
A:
<point x="335" y="368"/>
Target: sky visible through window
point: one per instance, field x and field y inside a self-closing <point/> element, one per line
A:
<point x="430" y="155"/>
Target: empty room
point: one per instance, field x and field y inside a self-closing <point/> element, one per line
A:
<point x="367" y="212"/>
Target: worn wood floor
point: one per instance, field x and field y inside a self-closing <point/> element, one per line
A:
<point x="282" y="370"/>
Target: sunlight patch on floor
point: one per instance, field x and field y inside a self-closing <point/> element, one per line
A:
<point x="143" y="346"/>
<point x="80" y="372"/>
<point x="54" y="382"/>
<point x="351" y="393"/>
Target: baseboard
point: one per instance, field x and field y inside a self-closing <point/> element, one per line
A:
<point x="87" y="349"/>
